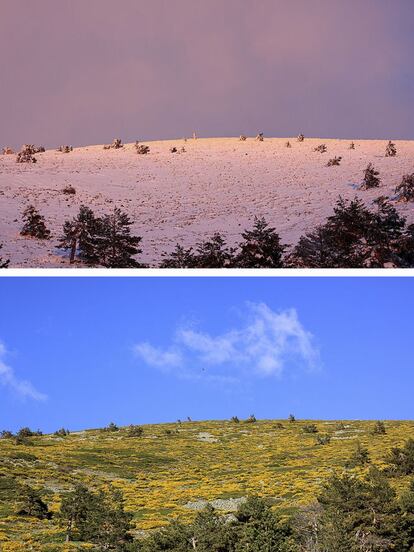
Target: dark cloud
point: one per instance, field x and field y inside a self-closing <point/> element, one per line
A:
<point x="83" y="72"/>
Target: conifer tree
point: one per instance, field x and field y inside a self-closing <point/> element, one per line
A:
<point x="360" y="457"/>
<point x="351" y="146"/>
<point x="405" y="190"/>
<point x="261" y="247"/>
<point x="32" y="504"/>
<point x="371" y="179"/>
<point x="116" y="245"/>
<point x="179" y="258"/>
<point x="4" y="263"/>
<point x="214" y="253"/>
<point x="34" y="224"/>
<point x="390" y="150"/>
<point x="81" y="234"/>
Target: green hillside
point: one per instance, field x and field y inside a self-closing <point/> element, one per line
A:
<point x="170" y="469"/>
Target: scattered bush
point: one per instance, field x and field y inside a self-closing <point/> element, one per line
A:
<point x="142" y="149"/>
<point x="116" y="144"/>
<point x="25" y="157"/>
<point x="65" y="149"/>
<point x="34" y="224"/>
<point x="360" y="457"/>
<point x="371" y="179"/>
<point x="310" y="428"/>
<point x="251" y="419"/>
<point x="288" y="144"/>
<point x="69" y="190"/>
<point x="405" y="190"/>
<point x="242" y="138"/>
<point x="260" y="137"/>
<point x="135" y="431"/>
<point x="173" y="150"/>
<point x="7" y="151"/>
<point x="235" y="420"/>
<point x="301" y="138"/>
<point x="336" y="161"/>
<point x="111" y="427"/>
<point x="379" y="428"/>
<point x="321" y="148"/>
<point x="6" y="434"/>
<point x="390" y="150"/>
<point x="351" y="146"/>
<point x="291" y="418"/>
<point x="62" y="432"/>
<point x="323" y="439"/>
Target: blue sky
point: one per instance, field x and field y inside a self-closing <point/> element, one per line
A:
<point x="81" y="352"/>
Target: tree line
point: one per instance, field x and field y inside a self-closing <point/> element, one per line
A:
<point x="351" y="513"/>
<point x="354" y="236"/>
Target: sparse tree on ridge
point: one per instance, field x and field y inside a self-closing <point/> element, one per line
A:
<point x="34" y="224"/>
<point x="390" y="150"/>
<point x="371" y="179"/>
<point x="116" y="245"/>
<point x="405" y="190"/>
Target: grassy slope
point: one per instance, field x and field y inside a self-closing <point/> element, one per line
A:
<point x="169" y="466"/>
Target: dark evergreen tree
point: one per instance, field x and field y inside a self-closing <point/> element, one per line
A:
<point x="34" y="224"/>
<point x="401" y="459"/>
<point x="371" y="178"/>
<point x="351" y="146"/>
<point x="116" y="245"/>
<point x="390" y="150"/>
<point x="81" y="234"/>
<point x="379" y="428"/>
<point x="32" y="504"/>
<point x="213" y="253"/>
<point x="97" y="518"/>
<point x="179" y="258"/>
<point x="360" y="457"/>
<point x="405" y="190"/>
<point x="4" y="263"/>
<point x="261" y="247"/>
<point x="336" y="161"/>
<point x="321" y="148"/>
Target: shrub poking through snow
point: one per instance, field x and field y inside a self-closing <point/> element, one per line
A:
<point x="142" y="149"/>
<point x="65" y="149"/>
<point x="242" y="138"/>
<point x="116" y="144"/>
<point x="260" y="137"/>
<point x="371" y="179"/>
<point x="25" y="155"/>
<point x="34" y="224"/>
<point x="69" y="190"/>
<point x="173" y="150"/>
<point x="405" y="190"/>
<point x="351" y="146"/>
<point x="4" y="263"/>
<point x="336" y="161"/>
<point x="321" y="148"/>
<point x="390" y="150"/>
<point x="301" y="137"/>
<point x="288" y="144"/>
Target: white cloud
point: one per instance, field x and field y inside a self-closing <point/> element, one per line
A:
<point x="157" y="357"/>
<point x="23" y="388"/>
<point x="266" y="345"/>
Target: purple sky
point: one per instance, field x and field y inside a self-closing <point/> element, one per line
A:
<point x="85" y="71"/>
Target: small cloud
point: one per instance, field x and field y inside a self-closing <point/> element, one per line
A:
<point x="155" y="356"/>
<point x="23" y="388"/>
<point x="269" y="343"/>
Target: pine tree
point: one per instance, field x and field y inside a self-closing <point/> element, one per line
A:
<point x="261" y="247"/>
<point x="379" y="428"/>
<point x="371" y="179"/>
<point x="81" y="234"/>
<point x="405" y="190"/>
<point x="32" y="504"/>
<point x="213" y="253"/>
<point x="360" y="457"/>
<point x="179" y="258"/>
<point x="34" y="224"/>
<point x="321" y="148"/>
<point x="335" y="161"/>
<point x="401" y="459"/>
<point x="390" y="150"/>
<point x="116" y="245"/>
<point x="4" y="263"/>
<point x="301" y="138"/>
<point x="351" y="146"/>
